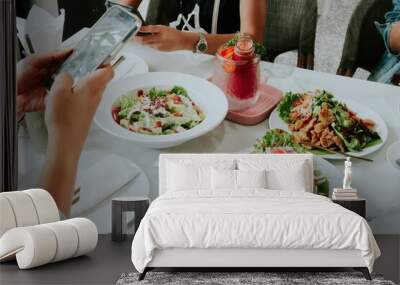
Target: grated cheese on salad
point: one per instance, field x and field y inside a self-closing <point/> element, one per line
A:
<point x="157" y="111"/>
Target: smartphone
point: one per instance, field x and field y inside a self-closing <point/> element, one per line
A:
<point x="137" y="13"/>
<point x="133" y="10"/>
<point x="102" y="43"/>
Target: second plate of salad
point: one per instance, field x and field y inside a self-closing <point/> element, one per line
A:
<point x="327" y="126"/>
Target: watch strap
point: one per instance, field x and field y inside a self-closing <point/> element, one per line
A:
<point x="201" y="43"/>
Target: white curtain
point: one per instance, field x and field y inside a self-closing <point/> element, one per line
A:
<point x="8" y="126"/>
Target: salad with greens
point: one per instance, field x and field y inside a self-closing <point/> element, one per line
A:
<point x="317" y="120"/>
<point x="277" y="141"/>
<point x="157" y="111"/>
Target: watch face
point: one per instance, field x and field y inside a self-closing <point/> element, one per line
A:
<point x="202" y="47"/>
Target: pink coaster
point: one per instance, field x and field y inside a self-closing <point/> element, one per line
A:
<point x="269" y="98"/>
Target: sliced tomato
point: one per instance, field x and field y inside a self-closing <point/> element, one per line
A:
<point x="227" y="52"/>
<point x="278" y="151"/>
<point x="297" y="102"/>
<point x="177" y="99"/>
<point x="115" y="112"/>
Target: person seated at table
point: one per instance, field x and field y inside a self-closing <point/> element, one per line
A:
<point x="388" y="70"/>
<point x="246" y="16"/>
<point x="68" y="115"/>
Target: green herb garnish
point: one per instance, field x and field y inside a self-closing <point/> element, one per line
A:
<point x="154" y="93"/>
<point x="178" y="90"/>
<point x="258" y="47"/>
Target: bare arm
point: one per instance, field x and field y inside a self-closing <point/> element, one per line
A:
<point x="252" y="18"/>
<point x="252" y="21"/>
<point x="214" y="41"/>
<point x="394" y="38"/>
<point x="68" y="115"/>
<point x="59" y="174"/>
<point x="253" y="15"/>
<point x="133" y="3"/>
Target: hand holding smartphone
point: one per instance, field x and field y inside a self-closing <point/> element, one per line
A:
<point x="102" y="43"/>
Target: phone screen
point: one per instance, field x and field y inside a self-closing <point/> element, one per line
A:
<point x="97" y="47"/>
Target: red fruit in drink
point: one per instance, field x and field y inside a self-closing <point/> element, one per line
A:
<point x="227" y="52"/>
<point x="243" y="83"/>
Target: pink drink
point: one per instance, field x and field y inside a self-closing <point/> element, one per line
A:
<point x="237" y="73"/>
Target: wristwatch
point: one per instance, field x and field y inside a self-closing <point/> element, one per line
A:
<point x="202" y="45"/>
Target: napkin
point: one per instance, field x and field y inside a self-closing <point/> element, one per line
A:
<point x="100" y="182"/>
<point x="40" y="31"/>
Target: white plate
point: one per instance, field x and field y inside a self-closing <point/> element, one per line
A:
<point x="200" y="65"/>
<point x="275" y="122"/>
<point x="205" y="94"/>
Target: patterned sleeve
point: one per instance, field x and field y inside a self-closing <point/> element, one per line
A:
<point x="391" y="18"/>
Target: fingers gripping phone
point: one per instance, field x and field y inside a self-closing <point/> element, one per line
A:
<point x="102" y="43"/>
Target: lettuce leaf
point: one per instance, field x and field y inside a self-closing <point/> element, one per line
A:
<point x="286" y="105"/>
<point x="277" y="138"/>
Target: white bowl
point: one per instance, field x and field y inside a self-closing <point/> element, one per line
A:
<point x="205" y="94"/>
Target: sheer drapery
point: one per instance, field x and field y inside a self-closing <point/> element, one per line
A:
<point x="8" y="140"/>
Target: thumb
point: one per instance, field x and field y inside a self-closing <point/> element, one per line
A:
<point x="97" y="81"/>
<point x="62" y="83"/>
<point x="61" y="88"/>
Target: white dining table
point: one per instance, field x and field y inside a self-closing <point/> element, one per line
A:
<point x="378" y="182"/>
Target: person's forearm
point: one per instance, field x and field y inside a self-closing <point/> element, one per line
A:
<point x="59" y="175"/>
<point x="253" y="15"/>
<point x="133" y="3"/>
<point x="394" y="38"/>
<point x="214" y="41"/>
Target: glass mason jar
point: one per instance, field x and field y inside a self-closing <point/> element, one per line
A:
<point x="237" y="73"/>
